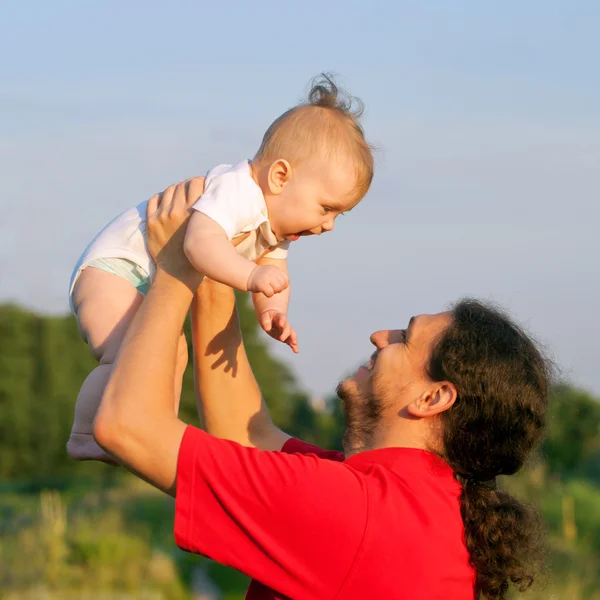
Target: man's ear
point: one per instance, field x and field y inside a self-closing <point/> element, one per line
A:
<point x="439" y="396"/>
<point x="280" y="172"/>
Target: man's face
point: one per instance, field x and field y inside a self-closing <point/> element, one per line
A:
<point x="394" y="377"/>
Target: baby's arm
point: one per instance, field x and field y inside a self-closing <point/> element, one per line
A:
<point x="209" y="250"/>
<point x="272" y="312"/>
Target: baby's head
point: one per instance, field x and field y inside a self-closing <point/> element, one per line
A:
<point x="314" y="162"/>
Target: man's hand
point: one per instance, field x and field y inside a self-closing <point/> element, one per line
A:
<point x="275" y="323"/>
<point x="167" y="215"/>
<point x="268" y="280"/>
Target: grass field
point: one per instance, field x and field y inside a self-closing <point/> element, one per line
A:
<point x="113" y="540"/>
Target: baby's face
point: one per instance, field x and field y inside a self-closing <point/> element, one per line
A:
<point x="311" y="201"/>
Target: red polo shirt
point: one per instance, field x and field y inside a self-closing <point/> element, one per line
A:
<point x="307" y="524"/>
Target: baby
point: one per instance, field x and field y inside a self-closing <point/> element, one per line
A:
<point x="313" y="165"/>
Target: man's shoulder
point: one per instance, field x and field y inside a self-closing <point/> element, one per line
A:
<point x="296" y="446"/>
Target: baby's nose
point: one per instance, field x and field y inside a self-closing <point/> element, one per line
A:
<point x="328" y="225"/>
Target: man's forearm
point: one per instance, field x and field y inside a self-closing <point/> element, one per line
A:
<point x="135" y="421"/>
<point x="229" y="399"/>
<point x="279" y="302"/>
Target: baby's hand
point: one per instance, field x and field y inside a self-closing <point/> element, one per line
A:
<point x="275" y="323"/>
<point x="268" y="280"/>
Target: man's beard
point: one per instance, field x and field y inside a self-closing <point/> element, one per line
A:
<point x="362" y="414"/>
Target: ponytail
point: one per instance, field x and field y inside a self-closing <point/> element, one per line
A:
<point x="502" y="384"/>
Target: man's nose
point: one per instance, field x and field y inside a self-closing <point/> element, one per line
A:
<point x="385" y="337"/>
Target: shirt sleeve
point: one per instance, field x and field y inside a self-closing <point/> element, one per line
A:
<point x="294" y="445"/>
<point x="232" y="199"/>
<point x="292" y="520"/>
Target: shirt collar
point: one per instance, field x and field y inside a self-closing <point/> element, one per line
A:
<point x="406" y="460"/>
<point x="265" y="226"/>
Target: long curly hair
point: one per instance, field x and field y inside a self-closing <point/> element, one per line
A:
<point x="502" y="380"/>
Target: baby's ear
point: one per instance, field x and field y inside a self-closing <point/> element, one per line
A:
<point x="280" y="172"/>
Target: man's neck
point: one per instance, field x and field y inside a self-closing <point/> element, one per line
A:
<point x="403" y="434"/>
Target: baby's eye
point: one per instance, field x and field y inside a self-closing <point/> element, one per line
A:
<point x="327" y="209"/>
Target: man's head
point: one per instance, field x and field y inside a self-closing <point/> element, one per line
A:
<point x="314" y="162"/>
<point x="468" y="384"/>
<point x="388" y="400"/>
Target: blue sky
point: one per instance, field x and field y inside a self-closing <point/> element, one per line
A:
<point x="486" y="116"/>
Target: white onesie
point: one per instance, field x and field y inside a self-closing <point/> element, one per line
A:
<point x="231" y="197"/>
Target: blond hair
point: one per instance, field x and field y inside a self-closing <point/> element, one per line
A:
<point x="325" y="126"/>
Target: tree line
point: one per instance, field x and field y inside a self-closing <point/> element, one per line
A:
<point x="43" y="363"/>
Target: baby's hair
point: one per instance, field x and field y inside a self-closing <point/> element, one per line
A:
<point x="326" y="126"/>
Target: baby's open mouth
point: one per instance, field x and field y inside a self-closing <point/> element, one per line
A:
<point x="294" y="236"/>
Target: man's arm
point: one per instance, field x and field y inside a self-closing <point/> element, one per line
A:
<point x="278" y="302"/>
<point x="276" y="516"/>
<point x="294" y="522"/>
<point x="229" y="399"/>
<point x="135" y="421"/>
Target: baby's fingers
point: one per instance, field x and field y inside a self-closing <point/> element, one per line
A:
<point x="283" y="282"/>
<point x="279" y="320"/>
<point x="292" y="341"/>
<point x="287" y="333"/>
<point x="267" y="290"/>
<point x="266" y="321"/>
<point x="284" y="331"/>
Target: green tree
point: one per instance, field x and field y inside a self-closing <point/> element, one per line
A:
<point x="42" y="365"/>
<point x="573" y="436"/>
<point x="43" y="362"/>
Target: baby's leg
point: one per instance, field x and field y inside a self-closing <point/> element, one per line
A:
<point x="105" y="305"/>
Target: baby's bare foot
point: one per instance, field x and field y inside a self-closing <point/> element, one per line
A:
<point x="82" y="446"/>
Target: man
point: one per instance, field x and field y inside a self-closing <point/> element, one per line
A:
<point x="409" y="511"/>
